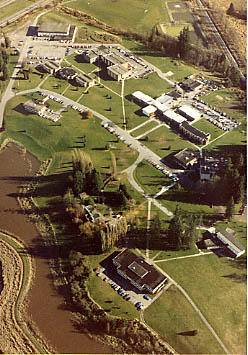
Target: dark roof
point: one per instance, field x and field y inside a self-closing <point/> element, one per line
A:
<point x="194" y="130"/>
<point x="190" y="84"/>
<point x="175" y="94"/>
<point x="66" y="72"/>
<point x="230" y="238"/>
<point x="185" y="156"/>
<point x="138" y="270"/>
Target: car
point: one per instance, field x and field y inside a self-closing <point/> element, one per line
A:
<point x="138" y="304"/>
<point x="147" y="298"/>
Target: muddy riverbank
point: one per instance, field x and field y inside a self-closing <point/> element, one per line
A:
<point x="45" y="305"/>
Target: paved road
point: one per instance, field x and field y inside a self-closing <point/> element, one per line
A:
<point x="5" y="3"/>
<point x="22" y="12"/>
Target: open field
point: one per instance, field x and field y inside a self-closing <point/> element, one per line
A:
<point x="162" y="138"/>
<point x="150" y="178"/>
<point x="144" y="129"/>
<point x="44" y="139"/>
<point x="173" y="316"/>
<point x="218" y="287"/>
<point x="134" y="15"/>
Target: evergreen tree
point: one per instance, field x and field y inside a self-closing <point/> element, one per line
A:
<point x="176" y="230"/>
<point x="7" y="42"/>
<point x="5" y="72"/>
<point x="78" y="182"/>
<point x="5" y="56"/>
<point x="231" y="10"/>
<point x="183" y="42"/>
<point x="230" y="209"/>
<point x="239" y="192"/>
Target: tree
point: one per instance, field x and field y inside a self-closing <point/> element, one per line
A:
<point x="5" y="72"/>
<point x="78" y="183"/>
<point x="7" y="42"/>
<point x="87" y="114"/>
<point x="183" y="42"/>
<point x="240" y="189"/>
<point x="231" y="10"/>
<point x="5" y="56"/>
<point x="176" y="230"/>
<point x="230" y="209"/>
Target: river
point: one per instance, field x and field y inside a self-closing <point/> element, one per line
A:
<point x="45" y="305"/>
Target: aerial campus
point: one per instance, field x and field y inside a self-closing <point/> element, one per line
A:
<point x="123" y="216"/>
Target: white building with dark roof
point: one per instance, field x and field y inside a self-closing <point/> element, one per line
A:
<point x="142" y="275"/>
<point x="173" y="117"/>
<point x="149" y="110"/>
<point x="226" y="240"/>
<point x="51" y="29"/>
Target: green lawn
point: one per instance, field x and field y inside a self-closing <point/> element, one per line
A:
<point x="175" y="30"/>
<point x="85" y="67"/>
<point x="151" y="85"/>
<point x="218" y="288"/>
<point x="34" y="80"/>
<point x="150" y="178"/>
<point x="160" y="139"/>
<point x="172" y="315"/>
<point x="135" y="15"/>
<point x="207" y="127"/>
<point x="44" y="139"/>
<point x="144" y="129"/>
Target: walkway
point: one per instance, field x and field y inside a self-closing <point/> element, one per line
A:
<point x="182" y="257"/>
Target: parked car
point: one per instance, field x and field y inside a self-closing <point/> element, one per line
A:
<point x="147" y="298"/>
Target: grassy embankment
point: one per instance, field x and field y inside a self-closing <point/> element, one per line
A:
<point x="14" y="7"/>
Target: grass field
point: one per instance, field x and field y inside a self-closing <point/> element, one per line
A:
<point x="44" y="139"/>
<point x="207" y="127"/>
<point x="144" y="129"/>
<point x="135" y="15"/>
<point x="218" y="287"/>
<point x="172" y="315"/>
<point x="160" y="140"/>
<point x="150" y="178"/>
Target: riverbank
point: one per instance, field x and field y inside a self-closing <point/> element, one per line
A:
<point x="45" y="307"/>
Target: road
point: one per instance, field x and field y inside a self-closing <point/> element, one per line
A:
<point x="5" y="3"/>
<point x="22" y="12"/>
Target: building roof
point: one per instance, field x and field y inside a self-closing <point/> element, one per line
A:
<point x="66" y="72"/>
<point x="148" y="110"/>
<point x="143" y="97"/>
<point x="174" y="93"/>
<point x="190" y="111"/>
<point x="164" y="99"/>
<point x="30" y="104"/>
<point x="185" y="156"/>
<point x="190" y="84"/>
<point x="230" y="240"/>
<point x="194" y="131"/>
<point x="174" y="116"/>
<point x="138" y="270"/>
<point x="119" y="69"/>
<point x="84" y="77"/>
<point x="56" y="27"/>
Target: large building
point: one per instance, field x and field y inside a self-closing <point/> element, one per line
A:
<point x="193" y="133"/>
<point x="56" y="30"/>
<point x="142" y="275"/>
<point x="189" y="113"/>
<point x="226" y="241"/>
<point x="185" y="158"/>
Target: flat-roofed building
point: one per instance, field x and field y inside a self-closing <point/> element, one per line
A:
<point x="66" y="73"/>
<point x="185" y="158"/>
<point x="34" y="107"/>
<point x="193" y="133"/>
<point x="191" y="85"/>
<point x="51" y="29"/>
<point x="189" y="112"/>
<point x="173" y="117"/>
<point x="226" y="240"/>
<point x="84" y="80"/>
<point x="142" y="99"/>
<point x="119" y="72"/>
<point x="149" y="110"/>
<point x="142" y="275"/>
<point x="89" y="56"/>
